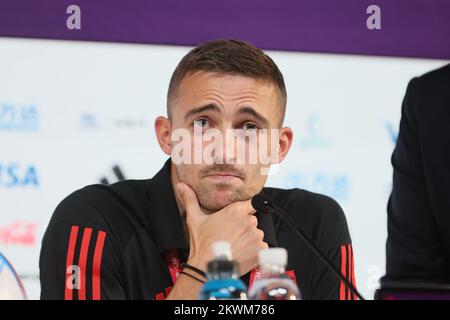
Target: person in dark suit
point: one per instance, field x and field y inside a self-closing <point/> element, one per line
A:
<point x="418" y="244"/>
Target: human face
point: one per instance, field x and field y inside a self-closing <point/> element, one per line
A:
<point x="205" y="101"/>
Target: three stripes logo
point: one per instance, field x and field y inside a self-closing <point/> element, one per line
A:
<point x="118" y="176"/>
<point x="347" y="270"/>
<point x="84" y="257"/>
<point x="83" y="263"/>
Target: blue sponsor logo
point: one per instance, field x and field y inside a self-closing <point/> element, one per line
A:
<point x="334" y="185"/>
<point x="393" y="133"/>
<point x="15" y="175"/>
<point x="311" y="136"/>
<point x="18" y="118"/>
<point x="88" y="121"/>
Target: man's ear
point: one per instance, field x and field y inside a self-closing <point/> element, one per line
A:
<point x="285" y="142"/>
<point x="163" y="130"/>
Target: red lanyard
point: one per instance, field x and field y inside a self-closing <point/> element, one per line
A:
<point x="174" y="263"/>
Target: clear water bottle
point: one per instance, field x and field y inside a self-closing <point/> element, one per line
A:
<point x="223" y="276"/>
<point x="273" y="284"/>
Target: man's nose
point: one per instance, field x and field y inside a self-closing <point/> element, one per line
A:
<point x="226" y="151"/>
<point x="225" y="148"/>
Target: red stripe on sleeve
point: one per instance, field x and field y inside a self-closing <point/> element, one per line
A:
<point x="342" y="295"/>
<point x="82" y="262"/>
<point x="350" y="269"/>
<point x="69" y="261"/>
<point x="96" y="267"/>
<point x="353" y="272"/>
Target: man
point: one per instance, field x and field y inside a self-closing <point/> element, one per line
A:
<point x="418" y="245"/>
<point x="129" y="240"/>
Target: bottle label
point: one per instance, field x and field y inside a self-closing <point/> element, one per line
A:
<point x="256" y="275"/>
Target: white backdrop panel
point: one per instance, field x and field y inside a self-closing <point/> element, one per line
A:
<point x="70" y="111"/>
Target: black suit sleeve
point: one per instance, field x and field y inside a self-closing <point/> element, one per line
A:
<point x="413" y="248"/>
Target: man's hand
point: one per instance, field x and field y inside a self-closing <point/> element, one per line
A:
<point x="235" y="223"/>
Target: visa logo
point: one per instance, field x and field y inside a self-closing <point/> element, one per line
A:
<point x="16" y="175"/>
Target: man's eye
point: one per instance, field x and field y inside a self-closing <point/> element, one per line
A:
<point x="250" y="127"/>
<point x="201" y="123"/>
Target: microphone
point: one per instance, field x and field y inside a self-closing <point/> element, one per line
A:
<point x="263" y="203"/>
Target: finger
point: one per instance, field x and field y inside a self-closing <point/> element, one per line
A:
<point x="189" y="199"/>
<point x="239" y="209"/>
<point x="245" y="207"/>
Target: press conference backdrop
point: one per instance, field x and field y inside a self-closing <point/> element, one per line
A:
<point x="71" y="111"/>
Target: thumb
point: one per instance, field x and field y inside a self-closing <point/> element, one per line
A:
<point x="189" y="200"/>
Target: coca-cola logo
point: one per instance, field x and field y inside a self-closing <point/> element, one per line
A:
<point x="19" y="233"/>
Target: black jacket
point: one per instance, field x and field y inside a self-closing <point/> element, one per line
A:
<point x="115" y="237"/>
<point x="418" y="244"/>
